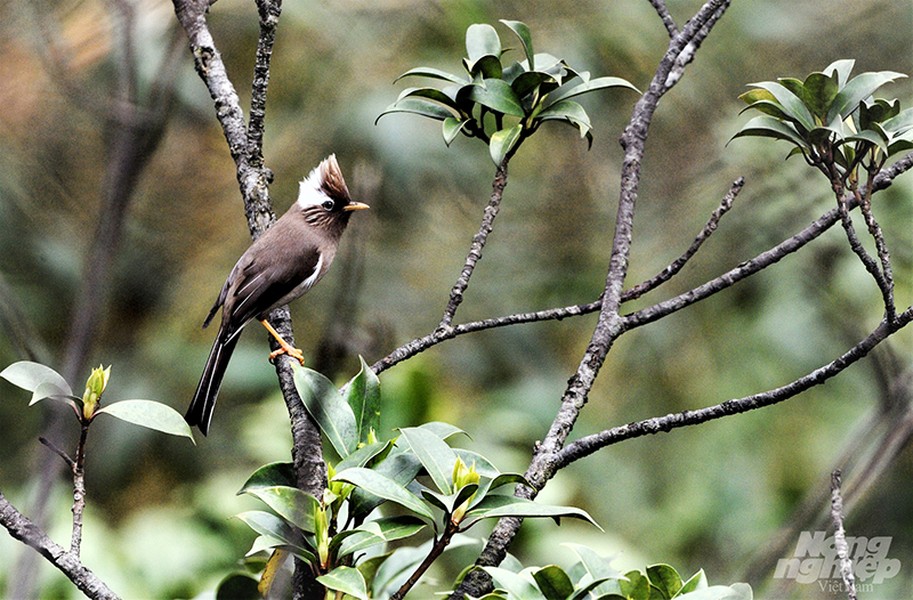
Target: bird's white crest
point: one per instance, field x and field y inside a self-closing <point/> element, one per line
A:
<point x="310" y="192"/>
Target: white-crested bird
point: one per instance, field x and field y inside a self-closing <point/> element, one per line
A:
<point x="284" y="263"/>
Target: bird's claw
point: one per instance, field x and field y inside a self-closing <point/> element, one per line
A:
<point x="293" y="352"/>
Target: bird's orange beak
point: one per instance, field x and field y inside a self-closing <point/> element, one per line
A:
<point x="355" y="206"/>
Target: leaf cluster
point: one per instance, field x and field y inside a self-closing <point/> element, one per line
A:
<point x="832" y="119"/>
<point x="502" y="102"/>
<point x="428" y="483"/>
<point x="592" y="577"/>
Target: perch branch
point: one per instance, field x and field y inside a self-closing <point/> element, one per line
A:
<point x="840" y="545"/>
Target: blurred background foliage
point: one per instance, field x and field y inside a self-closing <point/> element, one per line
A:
<point x="712" y="497"/>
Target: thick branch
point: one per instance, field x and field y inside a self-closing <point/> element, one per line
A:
<point x="22" y="529"/>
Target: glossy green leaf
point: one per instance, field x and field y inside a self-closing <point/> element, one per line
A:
<point x="264" y="543"/>
<point x="386" y="488"/>
<point x="429" y="93"/>
<point x="399" y="466"/>
<point x="294" y="505"/>
<point x="842" y="68"/>
<point x="149" y="414"/>
<point x="901" y="123"/>
<point x="768" y="107"/>
<point x="270" y="525"/>
<point x="387" y="529"/>
<point x="596" y="566"/>
<point x="482" y="465"/>
<point x="434" y="454"/>
<point x="698" y="581"/>
<point x="820" y="92"/>
<point x="451" y="127"/>
<point x="664" y="578"/>
<point x="497" y="95"/>
<point x="481" y="41"/>
<point x="635" y="586"/>
<point x="765" y="126"/>
<point x="41" y="380"/>
<point x="347" y="580"/>
<point x="569" y="90"/>
<point x="570" y="112"/>
<point x="870" y="137"/>
<point x="517" y="586"/>
<point x="858" y="89"/>
<point x="418" y="106"/>
<point x="792" y="105"/>
<point x="326" y="405"/>
<point x="553" y="582"/>
<point x="877" y="111"/>
<point x="362" y="393"/>
<point x="500" y="480"/>
<point x="433" y="73"/>
<point x="521" y="30"/>
<point x="504" y="141"/>
<point x="363" y="455"/>
<point x="272" y="474"/>
<point x="496" y="505"/>
<point x="442" y="430"/>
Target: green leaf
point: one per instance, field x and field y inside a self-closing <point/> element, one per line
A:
<point x="433" y="73"/>
<point x="517" y="586"/>
<point x="363" y="455"/>
<point x="635" y="585"/>
<point x="40" y="379"/>
<point x="435" y="455"/>
<point x="292" y="504"/>
<point x="858" y="89"/>
<point x="496" y="506"/>
<point x="526" y="39"/>
<point x="497" y="95"/>
<point x="482" y="464"/>
<point x="842" y="68"/>
<point x="596" y="566"/>
<point x="500" y="480"/>
<point x="664" y="578"/>
<point x="820" y="92"/>
<point x="387" y="529"/>
<point x="553" y="582"/>
<point x="149" y="414"/>
<point x="531" y="81"/>
<point x="698" y="581"/>
<point x="399" y="466"/>
<point x="901" y="123"/>
<point x="272" y="474"/>
<point x="441" y="429"/>
<point x="791" y="104"/>
<point x="765" y="126"/>
<point x="268" y="524"/>
<point x="570" y="112"/>
<point x="503" y="141"/>
<point x="418" y="106"/>
<point x="347" y="580"/>
<point x="452" y="127"/>
<point x="481" y="41"/>
<point x="386" y="488"/>
<point x="362" y="393"/>
<point x="600" y="83"/>
<point x="325" y="404"/>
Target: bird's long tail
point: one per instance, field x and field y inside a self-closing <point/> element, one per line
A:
<point x="199" y="412"/>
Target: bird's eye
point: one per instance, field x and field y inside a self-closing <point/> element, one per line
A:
<point x="328" y="205"/>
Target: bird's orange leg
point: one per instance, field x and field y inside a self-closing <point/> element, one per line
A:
<point x="285" y="347"/>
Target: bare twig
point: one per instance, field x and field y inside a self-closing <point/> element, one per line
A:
<point x="663" y="11"/>
<point x="440" y="544"/>
<point x="478" y="244"/>
<point x="840" y="545"/>
<point x="53" y="448"/>
<point x="79" y="489"/>
<point x="591" y="443"/>
<point x="24" y="530"/>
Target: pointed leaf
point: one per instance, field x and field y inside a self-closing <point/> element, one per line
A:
<point x="268" y="524"/>
<point x="600" y="83"/>
<point x="399" y="466"/>
<point x="30" y="375"/>
<point x="272" y="474"/>
<point x="433" y="73"/>
<point x="347" y="580"/>
<point x="503" y="141"/>
<point x="434" y="454"/>
<point x="492" y="484"/>
<point x="821" y="90"/>
<point x="294" y="505"/>
<point x="496" y="505"/>
<point x="792" y="106"/>
<point x="497" y="95"/>
<point x="665" y="578"/>
<point x="569" y="111"/>
<point x="529" y="82"/>
<point x="482" y="464"/>
<point x="363" y="455"/>
<point x="596" y="566"/>
<point x="858" y="89"/>
<point x="362" y="393"/>
<point x="452" y="127"/>
<point x="386" y="488"/>
<point x="765" y="126"/>
<point x="515" y="584"/>
<point x="387" y="529"/>
<point x="526" y="39"/>
<point x="325" y="404"/>
<point x="149" y="414"/>
<point x="553" y="582"/>
<point x="418" y="106"/>
<point x="698" y="581"/>
<point x="842" y="68"/>
<point x="441" y="429"/>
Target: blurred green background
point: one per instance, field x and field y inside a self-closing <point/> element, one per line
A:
<point x="714" y="497"/>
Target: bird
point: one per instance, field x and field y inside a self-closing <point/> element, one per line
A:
<point x="280" y="266"/>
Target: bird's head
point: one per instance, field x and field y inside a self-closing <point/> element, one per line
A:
<point x="324" y="197"/>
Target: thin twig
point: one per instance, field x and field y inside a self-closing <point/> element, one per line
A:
<point x="478" y="244"/>
<point x="79" y="490"/>
<point x="840" y="545"/>
<point x="53" y="448"/>
<point x="436" y="550"/>
<point x="663" y="11"/>
<point x="881" y="247"/>
<point x="589" y="444"/>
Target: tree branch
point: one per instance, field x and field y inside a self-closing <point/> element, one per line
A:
<point x="24" y="530"/>
<point x="840" y="545"/>
<point x="663" y="11"/>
